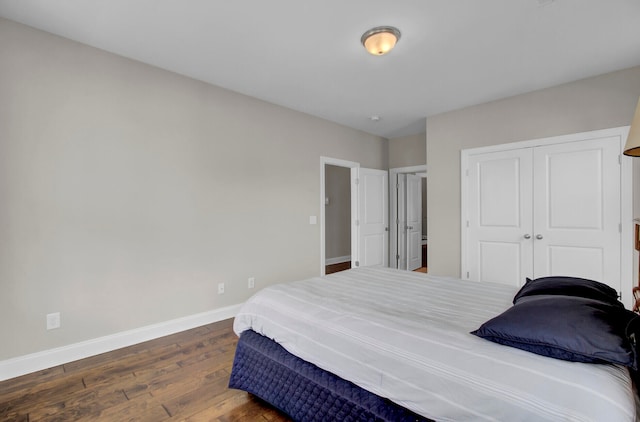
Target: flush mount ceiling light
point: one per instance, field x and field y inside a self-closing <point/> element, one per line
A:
<point x="380" y="40"/>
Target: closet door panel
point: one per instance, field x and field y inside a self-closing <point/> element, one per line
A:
<point x="576" y="261"/>
<point x="500" y="194"/>
<point x="577" y="210"/>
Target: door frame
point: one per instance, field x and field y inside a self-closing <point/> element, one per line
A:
<point x="339" y="163"/>
<point x="393" y="208"/>
<point x="626" y="196"/>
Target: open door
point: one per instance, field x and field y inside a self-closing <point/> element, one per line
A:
<point x="370" y="228"/>
<point x="399" y="240"/>
<point x="407" y="209"/>
<point x="414" y="221"/>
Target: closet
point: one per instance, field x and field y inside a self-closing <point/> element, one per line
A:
<point x="546" y="207"/>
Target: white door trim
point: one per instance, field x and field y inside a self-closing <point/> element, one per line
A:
<point x="393" y="208"/>
<point x="626" y="188"/>
<point x="334" y="162"/>
<point x="573" y="137"/>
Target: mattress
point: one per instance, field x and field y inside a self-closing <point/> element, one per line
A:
<point x="405" y="337"/>
<point x="302" y="390"/>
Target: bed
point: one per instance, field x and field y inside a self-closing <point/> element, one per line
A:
<point x="383" y="344"/>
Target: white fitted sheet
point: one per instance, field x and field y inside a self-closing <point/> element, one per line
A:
<point x="405" y="336"/>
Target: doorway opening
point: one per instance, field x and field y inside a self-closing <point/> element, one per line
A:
<point x="336" y="211"/>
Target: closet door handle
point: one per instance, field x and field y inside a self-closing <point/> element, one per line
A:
<point x="538" y="236"/>
<point x="527" y="236"/>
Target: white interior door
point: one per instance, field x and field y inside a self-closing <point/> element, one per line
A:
<point x="401" y="213"/>
<point x="372" y="223"/>
<point x="499" y="246"/>
<point x="577" y="210"/>
<point x="414" y="221"/>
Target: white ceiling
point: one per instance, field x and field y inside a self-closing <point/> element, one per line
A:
<point x="306" y="55"/>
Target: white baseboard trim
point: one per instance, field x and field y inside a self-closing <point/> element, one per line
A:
<point x="33" y="362"/>
<point x="337" y="260"/>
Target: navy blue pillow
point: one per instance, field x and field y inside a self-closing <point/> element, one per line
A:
<point x="566" y="327"/>
<point x="568" y="286"/>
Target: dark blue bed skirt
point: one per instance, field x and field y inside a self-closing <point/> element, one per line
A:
<point x="302" y="390"/>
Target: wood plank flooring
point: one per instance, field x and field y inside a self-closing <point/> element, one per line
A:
<point x="181" y="377"/>
<point x="334" y="268"/>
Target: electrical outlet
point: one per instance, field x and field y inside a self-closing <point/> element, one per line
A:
<point x="252" y="282"/>
<point x="220" y="288"/>
<point x="53" y="320"/>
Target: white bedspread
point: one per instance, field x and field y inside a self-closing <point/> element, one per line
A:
<point x="405" y="336"/>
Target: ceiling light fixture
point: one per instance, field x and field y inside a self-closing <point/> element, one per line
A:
<point x="380" y="40"/>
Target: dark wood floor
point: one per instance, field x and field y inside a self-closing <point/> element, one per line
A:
<point x="334" y="268"/>
<point x="179" y="377"/>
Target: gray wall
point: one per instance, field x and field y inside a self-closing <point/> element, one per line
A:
<point x="595" y="103"/>
<point x="408" y="151"/>
<point x="129" y="192"/>
<point x="337" y="212"/>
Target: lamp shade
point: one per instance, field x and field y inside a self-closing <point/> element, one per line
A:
<point x="632" y="147"/>
<point x="380" y="40"/>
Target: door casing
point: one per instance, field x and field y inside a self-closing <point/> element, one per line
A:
<point x="340" y="163"/>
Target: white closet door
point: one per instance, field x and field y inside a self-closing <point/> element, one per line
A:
<point x="414" y="222"/>
<point x="577" y="210"/>
<point x="500" y="207"/>
<point x="372" y="224"/>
